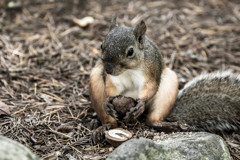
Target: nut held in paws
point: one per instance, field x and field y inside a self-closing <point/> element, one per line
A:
<point x="122" y="104"/>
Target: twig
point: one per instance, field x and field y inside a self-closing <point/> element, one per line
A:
<point x="59" y="133"/>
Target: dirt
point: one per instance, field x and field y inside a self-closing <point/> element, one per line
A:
<point x="46" y="58"/>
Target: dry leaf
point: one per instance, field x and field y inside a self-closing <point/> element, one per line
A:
<point x="94" y="52"/>
<point x="84" y="21"/>
<point x="4" y="109"/>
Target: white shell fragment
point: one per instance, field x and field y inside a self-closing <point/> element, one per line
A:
<point x="115" y="133"/>
<point x="117" y="136"/>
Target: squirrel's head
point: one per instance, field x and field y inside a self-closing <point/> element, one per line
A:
<point x="123" y="47"/>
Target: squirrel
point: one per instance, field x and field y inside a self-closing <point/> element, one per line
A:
<point x="132" y="65"/>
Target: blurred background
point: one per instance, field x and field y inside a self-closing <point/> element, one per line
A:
<point x="48" y="47"/>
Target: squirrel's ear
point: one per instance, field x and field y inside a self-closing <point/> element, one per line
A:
<point x="139" y="33"/>
<point x="113" y="22"/>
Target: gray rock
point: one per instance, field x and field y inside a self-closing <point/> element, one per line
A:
<point x="12" y="150"/>
<point x="177" y="146"/>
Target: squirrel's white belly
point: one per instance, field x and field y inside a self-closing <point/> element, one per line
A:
<point x="129" y="83"/>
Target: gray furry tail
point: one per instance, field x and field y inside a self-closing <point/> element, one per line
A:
<point x="215" y="125"/>
<point x="209" y="102"/>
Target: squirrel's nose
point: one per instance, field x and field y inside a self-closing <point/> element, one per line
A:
<point x="109" y="70"/>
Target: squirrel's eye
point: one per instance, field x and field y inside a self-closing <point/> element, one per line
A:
<point x="101" y="46"/>
<point x="130" y="52"/>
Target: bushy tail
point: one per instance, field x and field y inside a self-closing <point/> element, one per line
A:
<point x="216" y="125"/>
<point x="209" y="102"/>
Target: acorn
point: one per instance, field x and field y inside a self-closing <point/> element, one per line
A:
<point x="123" y="104"/>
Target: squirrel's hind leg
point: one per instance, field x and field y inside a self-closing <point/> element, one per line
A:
<point x="161" y="104"/>
<point x="98" y="95"/>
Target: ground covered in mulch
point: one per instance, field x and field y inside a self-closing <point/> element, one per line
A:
<point x="46" y="57"/>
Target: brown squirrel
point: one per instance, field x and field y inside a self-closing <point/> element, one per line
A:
<point x="132" y="65"/>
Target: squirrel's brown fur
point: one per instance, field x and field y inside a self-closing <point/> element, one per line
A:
<point x="132" y="65"/>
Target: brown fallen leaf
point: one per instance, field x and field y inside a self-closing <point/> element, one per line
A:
<point x="94" y="52"/>
<point x="84" y="21"/>
<point x="4" y="109"/>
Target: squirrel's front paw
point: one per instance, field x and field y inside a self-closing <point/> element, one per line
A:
<point x="136" y="111"/>
<point x="109" y="107"/>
